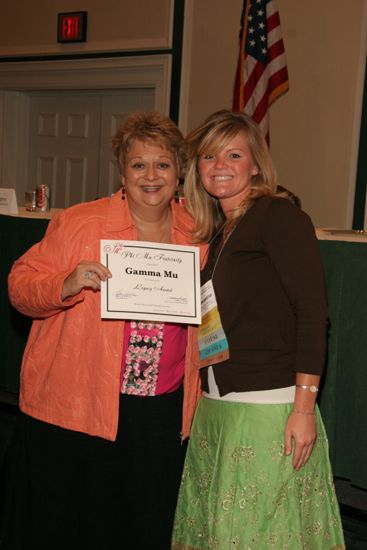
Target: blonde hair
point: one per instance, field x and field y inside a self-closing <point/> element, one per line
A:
<point x="211" y="136"/>
<point x="150" y="127"/>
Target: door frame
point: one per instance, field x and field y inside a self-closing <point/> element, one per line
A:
<point x="17" y="79"/>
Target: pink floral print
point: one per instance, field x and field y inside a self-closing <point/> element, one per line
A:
<point x="142" y="358"/>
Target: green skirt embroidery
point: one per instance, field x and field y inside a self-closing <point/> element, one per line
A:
<point x="239" y="491"/>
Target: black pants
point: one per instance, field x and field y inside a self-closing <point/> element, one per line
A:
<point x="73" y="491"/>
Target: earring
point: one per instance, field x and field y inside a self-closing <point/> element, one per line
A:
<point x="123" y="193"/>
<point x="179" y="193"/>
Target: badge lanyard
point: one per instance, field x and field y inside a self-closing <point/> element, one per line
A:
<point x="213" y="343"/>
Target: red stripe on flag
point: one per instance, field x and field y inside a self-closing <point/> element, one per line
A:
<point x="278" y="84"/>
<point x="273" y="21"/>
<point x="275" y="50"/>
<point x="252" y="80"/>
<point x="278" y="78"/>
<point x="261" y="108"/>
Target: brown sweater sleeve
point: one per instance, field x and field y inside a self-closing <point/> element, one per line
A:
<point x="289" y="237"/>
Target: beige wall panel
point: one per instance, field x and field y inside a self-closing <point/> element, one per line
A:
<point x="314" y="127"/>
<point x="214" y="47"/>
<point x="29" y="28"/>
<point x="314" y="130"/>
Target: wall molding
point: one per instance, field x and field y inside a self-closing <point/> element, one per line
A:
<point x="17" y="79"/>
<point x="123" y="72"/>
<point x="90" y="47"/>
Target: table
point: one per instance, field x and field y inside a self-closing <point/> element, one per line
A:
<point x="343" y="393"/>
<point x="17" y="234"/>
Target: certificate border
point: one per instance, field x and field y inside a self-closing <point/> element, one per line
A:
<point x="136" y="313"/>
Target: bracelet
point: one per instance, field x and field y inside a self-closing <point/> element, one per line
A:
<point x="308" y="413"/>
<point x="312" y="388"/>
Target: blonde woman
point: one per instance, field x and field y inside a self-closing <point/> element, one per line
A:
<point x="257" y="472"/>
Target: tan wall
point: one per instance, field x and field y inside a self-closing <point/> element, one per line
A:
<point x="213" y="57"/>
<point x="314" y="136"/>
<point x="28" y="27"/>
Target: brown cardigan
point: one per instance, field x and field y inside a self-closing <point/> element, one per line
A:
<point x="269" y="285"/>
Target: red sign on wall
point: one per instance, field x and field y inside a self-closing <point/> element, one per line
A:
<point x="72" y="26"/>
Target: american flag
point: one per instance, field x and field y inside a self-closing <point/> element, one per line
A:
<point x="261" y="75"/>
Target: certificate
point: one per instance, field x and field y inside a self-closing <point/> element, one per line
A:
<point x="151" y="282"/>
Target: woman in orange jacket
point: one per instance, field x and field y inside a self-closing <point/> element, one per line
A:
<point x="99" y="447"/>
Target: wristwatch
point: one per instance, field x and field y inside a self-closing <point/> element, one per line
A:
<point x="312" y="388"/>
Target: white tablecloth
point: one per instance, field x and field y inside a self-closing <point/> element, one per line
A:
<point x="350" y="235"/>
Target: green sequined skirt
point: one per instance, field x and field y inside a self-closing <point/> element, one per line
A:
<point x="240" y="492"/>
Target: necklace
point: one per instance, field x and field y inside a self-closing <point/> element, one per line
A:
<point x="227" y="228"/>
<point x="160" y="233"/>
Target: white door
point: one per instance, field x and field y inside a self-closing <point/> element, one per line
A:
<point x="70" y="141"/>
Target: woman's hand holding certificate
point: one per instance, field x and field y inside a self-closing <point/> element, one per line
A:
<point x="151" y="281"/>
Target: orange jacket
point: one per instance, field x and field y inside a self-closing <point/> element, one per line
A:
<point x="71" y="366"/>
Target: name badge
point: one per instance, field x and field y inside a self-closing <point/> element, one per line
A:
<point x="213" y="344"/>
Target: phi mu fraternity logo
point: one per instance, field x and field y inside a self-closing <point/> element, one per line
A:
<point x="113" y="248"/>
